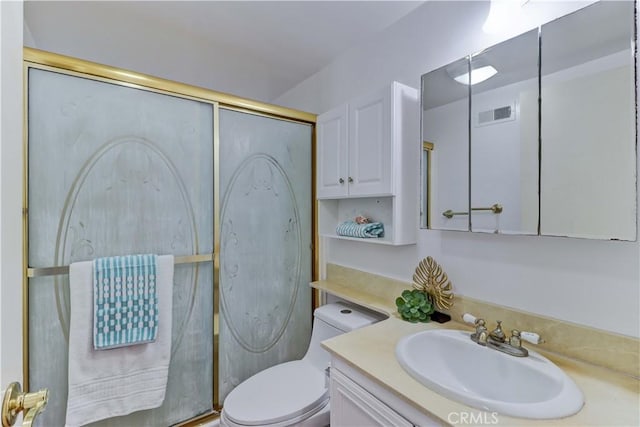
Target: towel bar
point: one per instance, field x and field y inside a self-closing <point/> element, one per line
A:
<point x="496" y="208"/>
<point x="64" y="269"/>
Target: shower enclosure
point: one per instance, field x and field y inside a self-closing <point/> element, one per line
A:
<point x="121" y="165"/>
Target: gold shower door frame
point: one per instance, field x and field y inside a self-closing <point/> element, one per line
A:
<point x="38" y="59"/>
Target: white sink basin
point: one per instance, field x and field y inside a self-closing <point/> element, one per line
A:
<point x="449" y="363"/>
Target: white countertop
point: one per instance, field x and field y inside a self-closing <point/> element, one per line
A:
<point x="611" y="399"/>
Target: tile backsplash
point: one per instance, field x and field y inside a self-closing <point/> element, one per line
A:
<point x="603" y="348"/>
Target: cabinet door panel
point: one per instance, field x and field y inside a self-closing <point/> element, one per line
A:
<point x="351" y="405"/>
<point x="332" y="153"/>
<point x="370" y="153"/>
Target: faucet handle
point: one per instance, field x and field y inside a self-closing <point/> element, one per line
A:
<point x="514" y="340"/>
<point x="531" y="337"/>
<point x="517" y="336"/>
<point x="471" y="319"/>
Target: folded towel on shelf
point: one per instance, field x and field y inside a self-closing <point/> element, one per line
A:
<point x="118" y="381"/>
<point x="125" y="304"/>
<point x="353" y="229"/>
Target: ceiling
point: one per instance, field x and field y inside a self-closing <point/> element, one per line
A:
<point x="285" y="42"/>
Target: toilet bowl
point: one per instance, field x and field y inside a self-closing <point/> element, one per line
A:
<point x="294" y="393"/>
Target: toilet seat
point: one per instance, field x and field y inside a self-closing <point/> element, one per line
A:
<point x="281" y="395"/>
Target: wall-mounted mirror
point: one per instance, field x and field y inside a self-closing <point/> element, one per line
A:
<point x="504" y="137"/>
<point x="445" y="124"/>
<point x="567" y="168"/>
<point x="588" y="127"/>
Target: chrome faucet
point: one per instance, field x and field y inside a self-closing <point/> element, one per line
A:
<point x="498" y="334"/>
<point x="497" y="340"/>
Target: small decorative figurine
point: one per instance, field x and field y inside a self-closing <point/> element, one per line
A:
<point x="362" y="219"/>
<point x="430" y="278"/>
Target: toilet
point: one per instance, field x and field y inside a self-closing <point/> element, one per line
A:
<point x="295" y="393"/>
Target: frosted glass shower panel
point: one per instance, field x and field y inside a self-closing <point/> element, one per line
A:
<point x="265" y="244"/>
<point x="116" y="170"/>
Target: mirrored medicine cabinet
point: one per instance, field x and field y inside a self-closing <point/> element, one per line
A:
<point x="537" y="135"/>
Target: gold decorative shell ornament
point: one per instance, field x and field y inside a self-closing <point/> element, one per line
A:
<point x="430" y="277"/>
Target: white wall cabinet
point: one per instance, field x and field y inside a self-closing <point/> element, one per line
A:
<point x="368" y="163"/>
<point x="355" y="148"/>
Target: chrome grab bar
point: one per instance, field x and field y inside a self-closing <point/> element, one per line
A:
<point x="496" y="208"/>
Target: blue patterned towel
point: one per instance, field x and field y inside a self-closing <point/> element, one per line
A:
<point x="353" y="229"/>
<point x="125" y="301"/>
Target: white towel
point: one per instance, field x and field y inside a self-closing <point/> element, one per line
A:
<point x="119" y="381"/>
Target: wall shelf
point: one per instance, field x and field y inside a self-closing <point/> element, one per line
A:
<point x="374" y="240"/>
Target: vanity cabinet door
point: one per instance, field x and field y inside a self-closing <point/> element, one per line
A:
<point x="332" y="153"/>
<point x="351" y="405"/>
<point x="370" y="144"/>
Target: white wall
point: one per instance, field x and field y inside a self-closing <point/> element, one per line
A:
<point x="588" y="282"/>
<point x="10" y="192"/>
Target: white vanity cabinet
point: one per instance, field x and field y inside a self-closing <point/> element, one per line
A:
<point x="357" y="401"/>
<point x="351" y="405"/>
<point x="368" y="163"/>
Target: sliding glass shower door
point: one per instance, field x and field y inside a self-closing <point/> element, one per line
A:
<point x="265" y="244"/>
<point x="114" y="170"/>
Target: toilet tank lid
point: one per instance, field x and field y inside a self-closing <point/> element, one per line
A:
<point x="346" y="317"/>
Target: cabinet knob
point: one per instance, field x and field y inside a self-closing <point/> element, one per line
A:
<point x="350" y="179"/>
<point x="341" y="181"/>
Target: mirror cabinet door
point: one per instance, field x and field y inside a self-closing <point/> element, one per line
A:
<point x="546" y="142"/>
<point x="588" y="124"/>
<point x="445" y="129"/>
<point x="504" y="137"/>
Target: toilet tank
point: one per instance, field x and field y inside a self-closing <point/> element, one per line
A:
<point x="334" y="319"/>
<point x="346" y="317"/>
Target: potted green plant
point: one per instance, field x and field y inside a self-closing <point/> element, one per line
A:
<point x="415" y="306"/>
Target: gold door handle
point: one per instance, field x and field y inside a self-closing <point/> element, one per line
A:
<point x="15" y="401"/>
